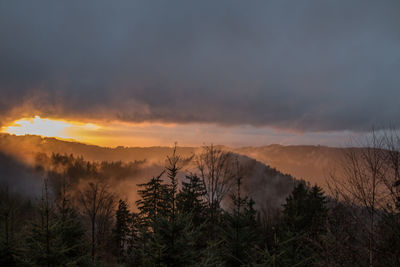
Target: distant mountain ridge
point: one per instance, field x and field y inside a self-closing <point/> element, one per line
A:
<point x="266" y="185"/>
<point x="29" y="145"/>
<point x="311" y="163"/>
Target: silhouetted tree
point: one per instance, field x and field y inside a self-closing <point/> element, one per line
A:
<point x="190" y="199"/>
<point x="122" y="229"/>
<point x="97" y="203"/>
<point x="303" y="222"/>
<point x="40" y="241"/>
<point x="9" y="252"/>
<point x="152" y="203"/>
<point x="361" y="184"/>
<point x="216" y="173"/>
<point x="239" y="230"/>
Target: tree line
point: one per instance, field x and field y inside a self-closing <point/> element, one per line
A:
<point x="206" y="218"/>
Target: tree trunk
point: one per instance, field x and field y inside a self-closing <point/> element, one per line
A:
<point x="93" y="237"/>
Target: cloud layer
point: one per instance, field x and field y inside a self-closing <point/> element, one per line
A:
<point x="302" y="65"/>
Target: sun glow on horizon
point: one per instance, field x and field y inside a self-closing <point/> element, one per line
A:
<point x="49" y="128"/>
<point x="106" y="134"/>
<point x="146" y="134"/>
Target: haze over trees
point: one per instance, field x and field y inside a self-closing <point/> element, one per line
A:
<point x="206" y="215"/>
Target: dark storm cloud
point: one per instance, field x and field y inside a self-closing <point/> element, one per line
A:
<point x="305" y="65"/>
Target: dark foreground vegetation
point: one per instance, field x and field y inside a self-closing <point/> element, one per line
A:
<point x="204" y="219"/>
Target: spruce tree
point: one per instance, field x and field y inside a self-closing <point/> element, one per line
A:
<point x="179" y="231"/>
<point x="239" y="230"/>
<point x="303" y="221"/>
<point x="190" y="200"/>
<point x="133" y="240"/>
<point x="152" y="203"/>
<point x="9" y="249"/>
<point x="42" y="241"/>
<point x="57" y="237"/>
<point x="153" y="208"/>
<point x="73" y="245"/>
<point x="121" y="230"/>
<point x="172" y="169"/>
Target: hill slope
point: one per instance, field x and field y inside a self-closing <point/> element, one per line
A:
<point x="311" y="163"/>
<point x="267" y="186"/>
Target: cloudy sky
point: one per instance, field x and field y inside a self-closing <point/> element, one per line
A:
<point x="243" y="72"/>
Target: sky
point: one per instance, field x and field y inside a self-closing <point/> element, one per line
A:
<point x="227" y="72"/>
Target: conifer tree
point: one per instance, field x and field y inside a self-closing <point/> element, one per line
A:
<point x="153" y="207"/>
<point x="121" y="230"/>
<point x="42" y="241"/>
<point x="125" y="234"/>
<point x="9" y="252"/>
<point x="181" y="231"/>
<point x="239" y="229"/>
<point x="133" y="239"/>
<point x="70" y="229"/>
<point x="172" y="170"/>
<point x="57" y="238"/>
<point x="190" y="200"/>
<point x="152" y="203"/>
<point x="303" y="220"/>
<point x="168" y="236"/>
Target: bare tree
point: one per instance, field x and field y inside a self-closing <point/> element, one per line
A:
<point x="392" y="158"/>
<point x="98" y="205"/>
<point x="216" y="173"/>
<point x="360" y="182"/>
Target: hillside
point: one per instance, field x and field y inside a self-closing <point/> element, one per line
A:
<point x="311" y="163"/>
<point x="27" y="146"/>
<point x="266" y="185"/>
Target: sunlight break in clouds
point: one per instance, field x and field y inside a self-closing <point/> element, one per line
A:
<point x="50" y="128"/>
<point x="117" y="133"/>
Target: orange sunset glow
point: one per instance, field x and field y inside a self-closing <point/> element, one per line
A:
<point x="50" y="128"/>
<point x="146" y="134"/>
<point x="200" y="133"/>
<point x="109" y="134"/>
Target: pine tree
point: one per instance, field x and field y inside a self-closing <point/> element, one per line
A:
<point x="239" y="230"/>
<point x="42" y="241"/>
<point x="317" y="211"/>
<point x="9" y="251"/>
<point x="304" y="216"/>
<point x="57" y="238"/>
<point x="72" y="241"/>
<point x="180" y="252"/>
<point x="153" y="208"/>
<point x="172" y="169"/>
<point x="122" y="230"/>
<point x="133" y="240"/>
<point x="179" y="232"/>
<point x="152" y="203"/>
<point x="190" y="199"/>
<point x="168" y="235"/>
<point x="70" y="230"/>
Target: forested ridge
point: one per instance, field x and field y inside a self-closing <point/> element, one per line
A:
<point x="199" y="218"/>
